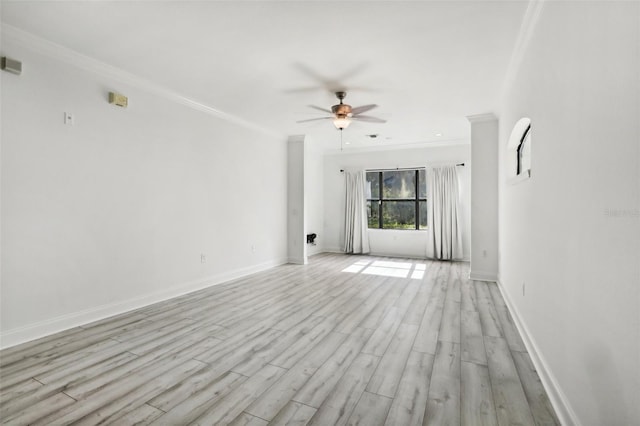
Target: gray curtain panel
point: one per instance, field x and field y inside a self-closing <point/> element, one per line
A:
<point x="356" y="227"/>
<point x="444" y="231"/>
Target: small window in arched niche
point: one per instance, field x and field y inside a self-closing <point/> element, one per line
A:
<point x="523" y="152"/>
<point x="519" y="151"/>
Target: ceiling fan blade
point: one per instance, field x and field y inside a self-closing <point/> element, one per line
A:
<point x="363" y="108"/>
<point x="314" y="119"/>
<point x="328" y="111"/>
<point x="368" y="118"/>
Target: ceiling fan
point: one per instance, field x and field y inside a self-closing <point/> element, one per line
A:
<point x="342" y="114"/>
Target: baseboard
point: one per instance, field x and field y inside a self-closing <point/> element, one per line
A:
<point x="332" y="250"/>
<point x="558" y="399"/>
<point x="64" y="322"/>
<point x="483" y="276"/>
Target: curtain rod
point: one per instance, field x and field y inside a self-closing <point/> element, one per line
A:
<point x="400" y="168"/>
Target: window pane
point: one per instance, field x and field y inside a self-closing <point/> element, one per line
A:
<point x="373" y="185"/>
<point x="399" y="214"/>
<point x="372" y="214"/>
<point x="526" y="153"/>
<point x="399" y="184"/>
<point x="423" y="215"/>
<point x="422" y="184"/>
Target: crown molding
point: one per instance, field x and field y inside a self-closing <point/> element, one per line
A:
<point x="396" y="147"/>
<point x="91" y="65"/>
<point x="479" y="118"/>
<point x="527" y="28"/>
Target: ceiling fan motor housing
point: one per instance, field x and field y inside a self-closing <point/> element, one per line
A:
<point x="341" y="110"/>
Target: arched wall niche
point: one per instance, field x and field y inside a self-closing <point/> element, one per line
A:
<point x="519" y="151"/>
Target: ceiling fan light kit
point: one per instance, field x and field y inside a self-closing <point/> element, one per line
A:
<point x="341" y="123"/>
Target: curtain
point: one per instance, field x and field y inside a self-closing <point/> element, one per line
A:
<point x="443" y="214"/>
<point x="356" y="227"/>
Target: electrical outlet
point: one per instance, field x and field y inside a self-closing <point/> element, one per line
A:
<point x="253" y="248"/>
<point x="203" y="258"/>
<point x="68" y="119"/>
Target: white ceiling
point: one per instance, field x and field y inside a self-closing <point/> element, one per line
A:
<point x="426" y="64"/>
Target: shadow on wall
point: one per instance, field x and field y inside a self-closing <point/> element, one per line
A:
<point x="602" y="374"/>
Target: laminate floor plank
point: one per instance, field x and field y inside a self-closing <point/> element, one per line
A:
<point x="371" y="410"/>
<point x="271" y="316"/>
<point x="443" y="403"/>
<point x="322" y="383"/>
<point x="450" y="323"/>
<point x="469" y="300"/>
<point x="337" y="341"/>
<point x="241" y="354"/>
<point x="269" y="404"/>
<point x="283" y="349"/>
<point x="298" y="349"/>
<point x="232" y="404"/>
<point x="143" y="415"/>
<point x="245" y="419"/>
<point x="29" y="415"/>
<point x="83" y="389"/>
<point x="541" y="408"/>
<point x="146" y="389"/>
<point x="472" y="342"/>
<point x="382" y="336"/>
<point x="454" y="293"/>
<point x="389" y="372"/>
<point x="22" y="389"/>
<point x="410" y="400"/>
<point x="360" y="309"/>
<point x="489" y="319"/>
<point x="339" y="404"/>
<point x="476" y="398"/>
<point x="189" y="409"/>
<point x="153" y="341"/>
<point x="60" y="385"/>
<point x="25" y="350"/>
<point x="379" y="312"/>
<point x="510" y="400"/>
<point x="415" y="311"/>
<point x="243" y="342"/>
<point x="94" y="366"/>
<point x="406" y="299"/>
<point x="32" y="368"/>
<point x="507" y="325"/>
<point x="427" y="338"/>
<point x="145" y="327"/>
<point x="293" y="414"/>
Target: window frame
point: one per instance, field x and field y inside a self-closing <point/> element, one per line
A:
<point x="381" y="200"/>
<point x="519" y="150"/>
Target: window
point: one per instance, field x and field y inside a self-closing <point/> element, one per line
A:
<point x="397" y="199"/>
<point x="523" y="152"/>
<point x="519" y="152"/>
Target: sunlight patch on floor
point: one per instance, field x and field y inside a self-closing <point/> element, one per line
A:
<point x="388" y="269"/>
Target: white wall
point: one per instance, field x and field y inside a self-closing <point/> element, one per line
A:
<point x="390" y="242"/>
<point x="116" y="210"/>
<point x="571" y="233"/>
<point x="296" y="205"/>
<point x="314" y="194"/>
<point x="484" y="197"/>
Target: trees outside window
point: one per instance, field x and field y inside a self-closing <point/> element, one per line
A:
<point x="397" y="199"/>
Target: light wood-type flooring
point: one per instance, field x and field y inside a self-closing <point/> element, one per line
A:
<point x="343" y="340"/>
